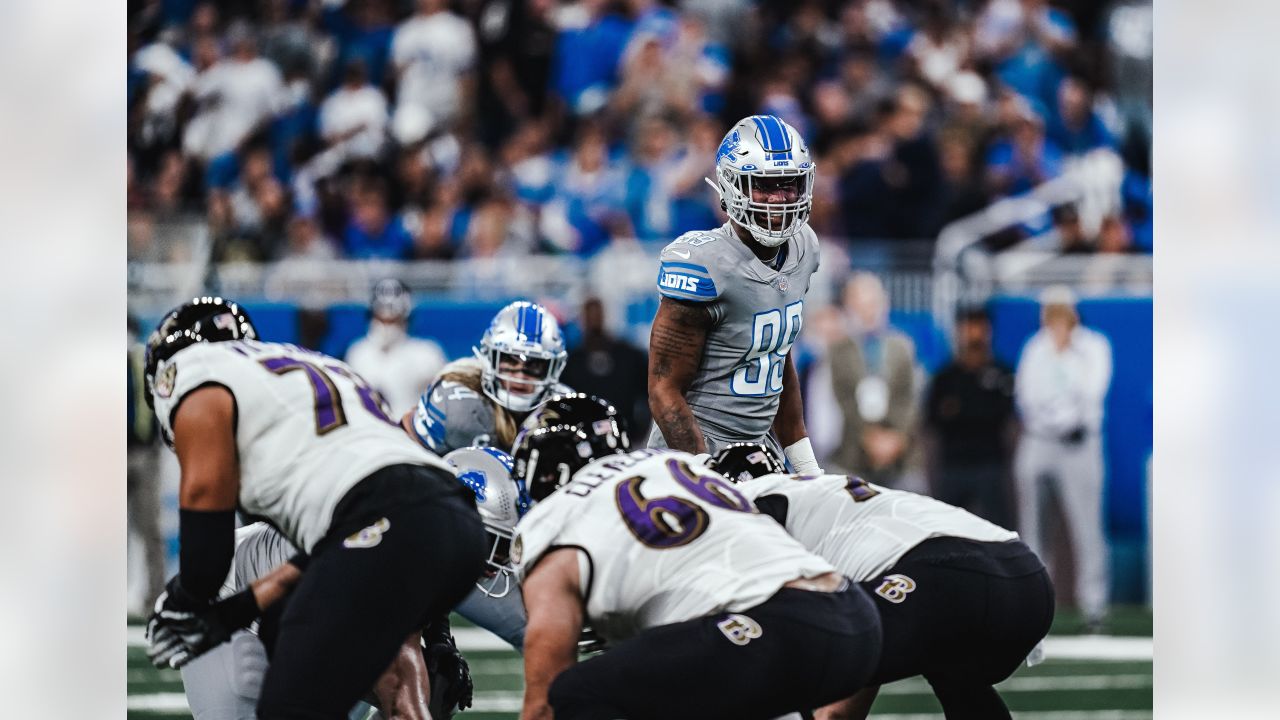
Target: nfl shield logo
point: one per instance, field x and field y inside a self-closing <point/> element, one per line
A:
<point x="782" y="284"/>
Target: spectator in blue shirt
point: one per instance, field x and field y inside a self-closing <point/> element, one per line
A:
<point x="1075" y="127"/>
<point x="648" y="193"/>
<point x="588" y="204"/>
<point x="587" y="54"/>
<point x="1026" y="40"/>
<point x="1023" y="159"/>
<point x="373" y="231"/>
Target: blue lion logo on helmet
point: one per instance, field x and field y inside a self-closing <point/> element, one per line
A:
<point x="476" y="480"/>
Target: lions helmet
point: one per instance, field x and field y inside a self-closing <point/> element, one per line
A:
<point x="561" y="437"/>
<point x="742" y="461"/>
<point x="522" y="347"/>
<point x="202" y="319"/>
<point x="763" y="153"/>
<point x="501" y="502"/>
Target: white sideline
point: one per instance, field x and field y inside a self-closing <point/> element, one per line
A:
<point x="1057" y="647"/>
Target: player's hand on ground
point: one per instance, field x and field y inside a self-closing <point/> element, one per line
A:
<point x="181" y="630"/>
<point x="448" y="667"/>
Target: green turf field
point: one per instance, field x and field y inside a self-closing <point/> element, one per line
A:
<point x="1093" y="678"/>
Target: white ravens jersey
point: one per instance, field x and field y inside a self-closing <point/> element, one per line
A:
<point x="665" y="539"/>
<point x="861" y="528"/>
<point x="308" y="428"/>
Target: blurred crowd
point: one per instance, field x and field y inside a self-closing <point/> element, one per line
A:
<point x="475" y="128"/>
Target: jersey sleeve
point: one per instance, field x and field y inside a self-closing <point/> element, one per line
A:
<point x="449" y="416"/>
<point x="260" y="549"/>
<point x="188" y="370"/>
<point x="535" y="534"/>
<point x="429" y="419"/>
<point x="689" y="269"/>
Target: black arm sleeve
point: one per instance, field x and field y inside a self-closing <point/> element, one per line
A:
<point x="206" y="545"/>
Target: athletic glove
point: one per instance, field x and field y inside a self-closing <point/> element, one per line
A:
<point x="181" y="629"/>
<point x="451" y="685"/>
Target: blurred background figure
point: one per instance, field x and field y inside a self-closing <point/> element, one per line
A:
<point x="144" y="473"/>
<point x="969" y="414"/>
<point x="607" y="366"/>
<point x="397" y="365"/>
<point x="873" y="380"/>
<point x="1062" y="380"/>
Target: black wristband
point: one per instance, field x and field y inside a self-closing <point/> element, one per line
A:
<point x="206" y="545"/>
<point x="239" y="610"/>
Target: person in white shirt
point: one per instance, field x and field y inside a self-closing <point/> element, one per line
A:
<point x="355" y="115"/>
<point x="236" y="95"/>
<point x="433" y="53"/>
<point x="399" y="366"/>
<point x="1060" y="385"/>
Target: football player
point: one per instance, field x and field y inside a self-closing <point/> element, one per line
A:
<point x="398" y="365"/>
<point x="732" y="303"/>
<point x="481" y="401"/>
<point x="710" y="609"/>
<point x="962" y="601"/>
<point x="391" y="539"/>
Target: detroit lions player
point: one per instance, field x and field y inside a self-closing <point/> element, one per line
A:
<point x="392" y="540"/>
<point x="481" y="401"/>
<point x="710" y="609"/>
<point x="732" y="302"/>
<point x="962" y="601"/>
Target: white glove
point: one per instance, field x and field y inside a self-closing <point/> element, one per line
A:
<point x="800" y="455"/>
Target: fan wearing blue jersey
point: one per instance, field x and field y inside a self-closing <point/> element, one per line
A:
<point x="732" y="304"/>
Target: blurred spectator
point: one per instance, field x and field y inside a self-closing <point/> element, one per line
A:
<point x="517" y="49"/>
<point x="291" y="40"/>
<point x="354" y="117"/>
<point x="865" y="83"/>
<point x="939" y="49"/>
<point x="237" y="96"/>
<point x="1111" y="269"/>
<point x="1023" y="159"/>
<point x="649" y="84"/>
<point x="962" y="192"/>
<point x="1068" y="236"/>
<point x="1062" y="380"/>
<point x="163" y="78"/>
<point x="694" y="205"/>
<point x="589" y="197"/>
<point x="363" y="29"/>
<point x="588" y="51"/>
<point x="249" y="216"/>
<point x="648" y="184"/>
<point x="143" y="497"/>
<point x="1076" y="127"/>
<point x="433" y="53"/>
<point x="1027" y="41"/>
<point x="373" y="231"/>
<point x="969" y="411"/>
<point x="873" y="380"/>
<point x="398" y="366"/>
<point x="609" y="367"/>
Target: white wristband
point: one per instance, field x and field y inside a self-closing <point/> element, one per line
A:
<point x="800" y="455"/>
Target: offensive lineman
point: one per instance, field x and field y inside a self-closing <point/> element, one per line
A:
<point x="391" y="539"/>
<point x="732" y="303"/>
<point x="710" y="610"/>
<point x="481" y="401"/>
<point x="962" y="601"/>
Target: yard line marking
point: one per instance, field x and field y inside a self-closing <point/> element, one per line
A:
<point x="1039" y="715"/>
<point x="171" y="702"/>
<point x="1098" y="647"/>
<point x="917" y="686"/>
<point x="468" y="639"/>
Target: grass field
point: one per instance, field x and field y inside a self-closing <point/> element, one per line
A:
<point x="1094" y="678"/>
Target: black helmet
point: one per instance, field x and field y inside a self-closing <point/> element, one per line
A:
<point x="562" y="435"/>
<point x="743" y="461"/>
<point x="202" y="319"/>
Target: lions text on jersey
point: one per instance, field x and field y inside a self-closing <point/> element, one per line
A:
<point x="665" y="539"/>
<point x="308" y="428"/>
<point x="861" y="528"/>
<point x="756" y="313"/>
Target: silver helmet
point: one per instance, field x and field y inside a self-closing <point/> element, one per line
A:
<point x="763" y="154"/>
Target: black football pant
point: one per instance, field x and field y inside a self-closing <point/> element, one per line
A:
<point x="795" y="651"/>
<point x="405" y="546"/>
<point x="964" y="614"/>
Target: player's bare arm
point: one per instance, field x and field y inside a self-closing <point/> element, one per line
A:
<point x="404" y="689"/>
<point x="675" y="351"/>
<point x="553" y="603"/>
<point x="856" y="707"/>
<point x="205" y="443"/>
<point x="788" y="425"/>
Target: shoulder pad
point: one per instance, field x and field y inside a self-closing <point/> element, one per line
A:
<point x="687" y="268"/>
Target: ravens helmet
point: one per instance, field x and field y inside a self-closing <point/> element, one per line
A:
<point x="202" y="319"/>
<point x="742" y="461"/>
<point x="563" y="435"/>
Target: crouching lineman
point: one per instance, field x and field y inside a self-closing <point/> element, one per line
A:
<point x="391" y="539"/>
<point x="962" y="601"/>
<point x="709" y="608"/>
